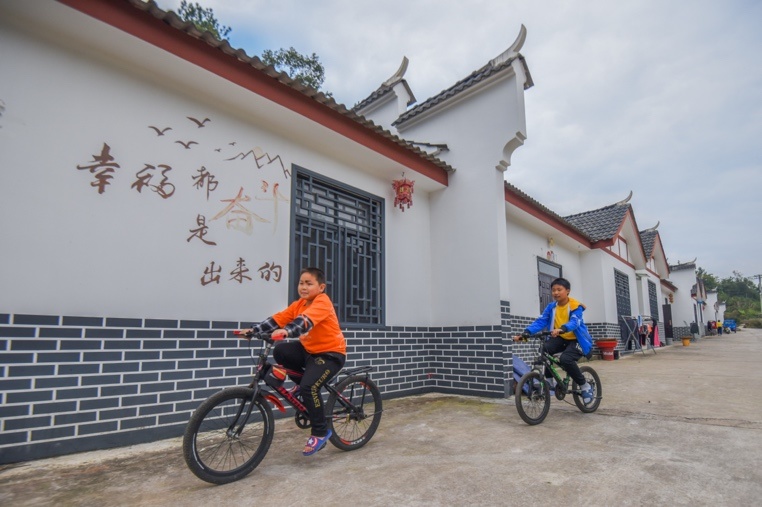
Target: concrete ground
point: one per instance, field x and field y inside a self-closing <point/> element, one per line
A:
<point x="679" y="427"/>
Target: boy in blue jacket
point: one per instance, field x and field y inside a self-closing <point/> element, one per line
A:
<point x="569" y="335"/>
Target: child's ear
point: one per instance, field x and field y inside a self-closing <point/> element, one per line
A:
<point x="322" y="287"/>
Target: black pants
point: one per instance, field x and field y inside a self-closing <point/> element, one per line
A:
<point x="316" y="371"/>
<point x="570" y="354"/>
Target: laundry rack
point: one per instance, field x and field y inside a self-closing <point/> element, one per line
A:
<point x="632" y="325"/>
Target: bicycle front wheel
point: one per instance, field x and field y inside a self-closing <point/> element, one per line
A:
<point x="591" y="377"/>
<point x="228" y="435"/>
<point x="354" y="412"/>
<point x="532" y="398"/>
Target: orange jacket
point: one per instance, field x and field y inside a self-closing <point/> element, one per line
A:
<point x="325" y="335"/>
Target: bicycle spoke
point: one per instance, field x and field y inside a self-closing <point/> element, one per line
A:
<point x="532" y="398"/>
<point x="352" y="425"/>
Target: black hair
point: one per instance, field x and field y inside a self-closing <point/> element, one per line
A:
<point x="563" y="282"/>
<point x="316" y="272"/>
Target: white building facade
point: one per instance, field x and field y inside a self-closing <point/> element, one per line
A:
<point x="163" y="189"/>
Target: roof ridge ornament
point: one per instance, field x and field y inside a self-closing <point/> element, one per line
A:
<point x="397" y="76"/>
<point x="653" y="229"/>
<point x="513" y="50"/>
<point x="625" y="201"/>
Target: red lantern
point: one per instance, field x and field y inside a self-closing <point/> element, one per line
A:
<point x="403" y="192"/>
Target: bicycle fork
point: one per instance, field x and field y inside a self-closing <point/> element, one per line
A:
<point x="232" y="432"/>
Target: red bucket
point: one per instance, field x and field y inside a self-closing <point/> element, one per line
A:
<point x="607" y="349"/>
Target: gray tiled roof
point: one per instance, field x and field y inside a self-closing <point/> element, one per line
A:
<point x="173" y="20"/>
<point x="601" y="224"/>
<point x="464" y="84"/>
<point x="648" y="239"/>
<point x="687" y="265"/>
<point x="377" y="94"/>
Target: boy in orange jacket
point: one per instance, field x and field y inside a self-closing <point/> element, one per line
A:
<point x="319" y="353"/>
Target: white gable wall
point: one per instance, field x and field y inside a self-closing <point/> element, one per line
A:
<point x="712" y="306"/>
<point x="468" y="224"/>
<point x="684" y="309"/>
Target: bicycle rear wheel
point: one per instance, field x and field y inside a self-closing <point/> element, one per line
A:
<point x="228" y="435"/>
<point x="532" y="398"/>
<point x="354" y="412"/>
<point x="591" y="377"/>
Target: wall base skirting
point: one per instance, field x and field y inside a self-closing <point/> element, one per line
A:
<point x="71" y="384"/>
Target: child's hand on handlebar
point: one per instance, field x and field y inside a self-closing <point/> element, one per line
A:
<point x="244" y="333"/>
<point x="248" y="334"/>
<point x="522" y="337"/>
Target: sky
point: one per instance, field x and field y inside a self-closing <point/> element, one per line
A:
<point x="659" y="97"/>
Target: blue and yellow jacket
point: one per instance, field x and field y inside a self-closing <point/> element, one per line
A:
<point x="576" y="325"/>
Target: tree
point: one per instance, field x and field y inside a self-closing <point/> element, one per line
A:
<point x="739" y="293"/>
<point x="710" y="281"/>
<point x="305" y="69"/>
<point x="204" y="19"/>
<point x="739" y="286"/>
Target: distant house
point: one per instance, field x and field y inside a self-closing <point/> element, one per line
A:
<point x="615" y="270"/>
<point x="690" y="299"/>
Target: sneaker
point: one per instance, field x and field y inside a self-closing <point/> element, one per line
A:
<point x="314" y="444"/>
<point x="295" y="391"/>
<point x="587" y="395"/>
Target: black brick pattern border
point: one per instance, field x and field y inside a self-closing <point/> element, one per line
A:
<point x="71" y="384"/>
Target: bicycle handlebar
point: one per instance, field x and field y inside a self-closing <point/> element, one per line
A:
<point x="538" y="335"/>
<point x="266" y="337"/>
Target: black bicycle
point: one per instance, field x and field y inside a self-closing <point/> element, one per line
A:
<point x="533" y="391"/>
<point x="230" y="433"/>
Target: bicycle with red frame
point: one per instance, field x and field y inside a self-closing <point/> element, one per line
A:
<point x="230" y="433"/>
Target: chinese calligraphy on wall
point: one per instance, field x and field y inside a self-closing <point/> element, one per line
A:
<point x="226" y="198"/>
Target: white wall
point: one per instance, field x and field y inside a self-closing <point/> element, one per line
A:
<point x="68" y="249"/>
<point x="598" y="281"/>
<point x="467" y="220"/>
<point x="526" y="244"/>
<point x="524" y="247"/>
<point x="683" y="306"/>
<point x="712" y="306"/>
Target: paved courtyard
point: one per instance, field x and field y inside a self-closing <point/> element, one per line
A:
<point x="680" y="427"/>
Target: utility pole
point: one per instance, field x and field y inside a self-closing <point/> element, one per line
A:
<point x="759" y="288"/>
